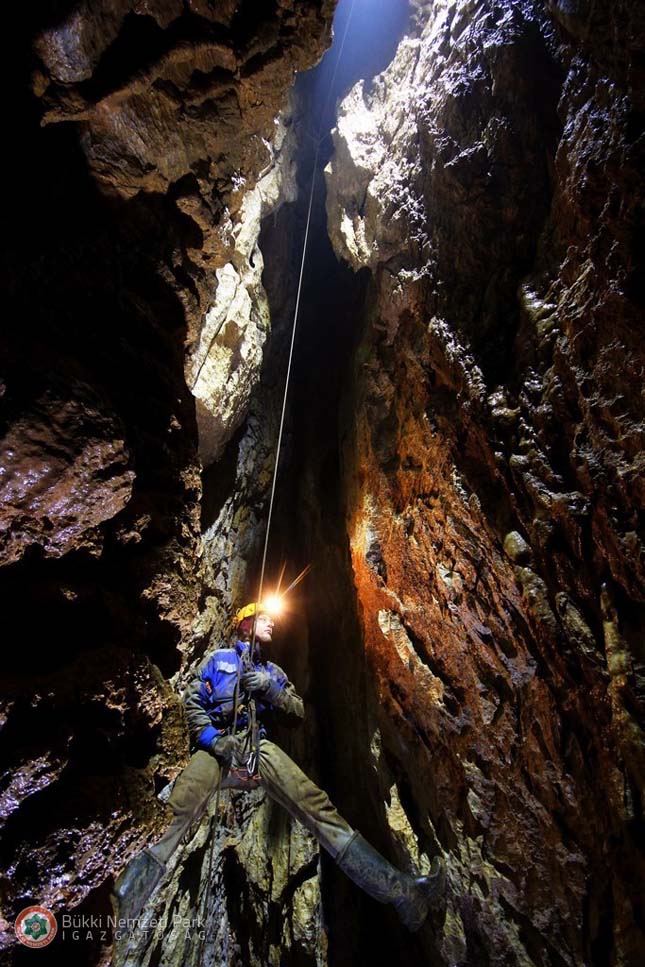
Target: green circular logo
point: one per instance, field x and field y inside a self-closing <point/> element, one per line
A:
<point x="35" y="926"/>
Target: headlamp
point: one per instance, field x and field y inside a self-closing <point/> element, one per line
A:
<point x="271" y="605"/>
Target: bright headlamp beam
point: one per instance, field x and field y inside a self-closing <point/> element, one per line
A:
<point x="272" y="605"/>
<point x="305" y="571"/>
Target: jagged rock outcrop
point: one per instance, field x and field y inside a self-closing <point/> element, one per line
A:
<point x="225" y="365"/>
<point x="489" y="180"/>
<point x="138" y="125"/>
<point x="468" y="640"/>
<point x="243" y="889"/>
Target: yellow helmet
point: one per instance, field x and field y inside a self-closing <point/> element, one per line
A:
<point x="246" y="612"/>
<point x="271" y="606"/>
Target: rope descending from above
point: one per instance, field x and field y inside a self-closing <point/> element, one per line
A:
<point x="318" y="141"/>
<point x="255" y="747"/>
<point x="252" y="733"/>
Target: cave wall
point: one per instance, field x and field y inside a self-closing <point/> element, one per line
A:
<point x="252" y="878"/>
<point x="492" y="465"/>
<point x="473" y="518"/>
<point x="149" y="147"/>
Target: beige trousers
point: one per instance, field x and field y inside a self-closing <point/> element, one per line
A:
<point x="283" y="780"/>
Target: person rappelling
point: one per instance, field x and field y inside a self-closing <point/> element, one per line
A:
<point x="226" y="703"/>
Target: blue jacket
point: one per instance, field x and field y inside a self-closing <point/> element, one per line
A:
<point x="210" y="697"/>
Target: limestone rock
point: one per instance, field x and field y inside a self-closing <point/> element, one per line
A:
<point x="149" y="152"/>
<point x="495" y="395"/>
<point x="225" y="365"/>
<point x="66" y="468"/>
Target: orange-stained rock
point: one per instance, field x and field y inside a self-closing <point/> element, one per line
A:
<point x="494" y="468"/>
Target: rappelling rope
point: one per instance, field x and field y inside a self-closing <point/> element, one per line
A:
<point x="286" y="384"/>
<point x="319" y="140"/>
<point x="253" y="730"/>
<point x="254" y="755"/>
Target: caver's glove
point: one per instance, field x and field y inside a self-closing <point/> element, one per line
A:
<point x="259" y="680"/>
<point x="225" y="748"/>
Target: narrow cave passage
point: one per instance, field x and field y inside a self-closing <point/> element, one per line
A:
<point x="461" y="467"/>
<point x="310" y="525"/>
<point x="310" y="528"/>
<point x="322" y="642"/>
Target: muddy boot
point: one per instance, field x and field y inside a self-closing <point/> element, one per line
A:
<point x="135" y="885"/>
<point x="410" y="897"/>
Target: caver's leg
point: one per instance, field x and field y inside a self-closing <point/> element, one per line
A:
<point x="410" y="896"/>
<point x="191" y="792"/>
<point x="188" y="799"/>
<point x="287" y="784"/>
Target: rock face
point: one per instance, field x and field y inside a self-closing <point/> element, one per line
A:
<point x="225" y="365"/>
<point x="462" y="467"/>
<point x="148" y="149"/>
<point x="489" y="180"/>
<point x="230" y="899"/>
<point x="184" y="100"/>
<point x="65" y="472"/>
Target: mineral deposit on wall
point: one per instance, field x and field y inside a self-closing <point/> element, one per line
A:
<point x="489" y="181"/>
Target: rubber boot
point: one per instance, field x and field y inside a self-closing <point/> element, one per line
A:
<point x="410" y="897"/>
<point x="135" y="884"/>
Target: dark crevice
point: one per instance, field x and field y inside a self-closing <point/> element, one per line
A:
<point x="218" y="481"/>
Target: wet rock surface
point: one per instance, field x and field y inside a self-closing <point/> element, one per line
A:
<point x="243" y="889"/>
<point x="462" y="467"/>
<point x="488" y="180"/>
<point x="143" y="130"/>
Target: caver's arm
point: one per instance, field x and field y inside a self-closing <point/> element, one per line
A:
<point x="272" y="687"/>
<point x="197" y="703"/>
